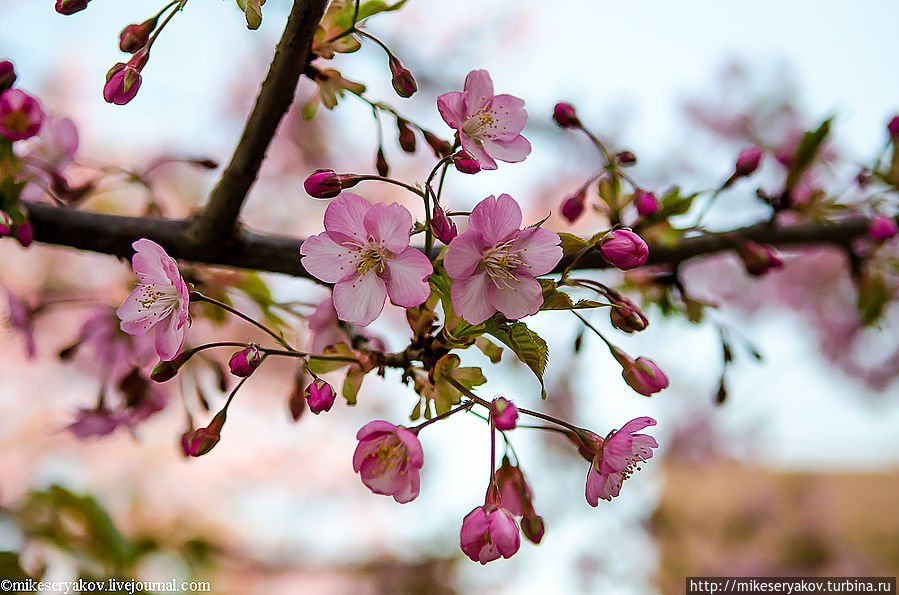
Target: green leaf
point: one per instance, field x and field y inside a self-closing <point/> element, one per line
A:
<point x="493" y="352"/>
<point x="571" y="243"/>
<point x="530" y="347"/>
<point x="805" y="153"/>
<point x="673" y="204"/>
<point x="320" y="366"/>
<point x="352" y="383"/>
<point x="444" y="394"/>
<point x="553" y="299"/>
<point x="541" y="222"/>
<point x="873" y="296"/>
<point x="373" y="7"/>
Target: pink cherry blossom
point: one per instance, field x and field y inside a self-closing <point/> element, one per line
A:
<point x="21" y="319"/>
<point x="365" y="252"/>
<point x="489" y="532"/>
<point x="389" y="459"/>
<point x="494" y="262"/>
<point x="489" y="125"/>
<point x="619" y="457"/>
<point x="21" y="115"/>
<point x="515" y="491"/>
<point x="49" y="154"/>
<point x="107" y="350"/>
<point x="882" y="228"/>
<point x="159" y="302"/>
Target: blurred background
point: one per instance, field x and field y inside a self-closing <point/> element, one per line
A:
<point x="794" y="474"/>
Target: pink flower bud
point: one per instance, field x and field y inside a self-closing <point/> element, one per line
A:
<point x="646" y="203"/>
<point x="122" y="82"/>
<point x="403" y="81"/>
<point x="758" y="258"/>
<point x="134" y="37"/>
<point x="565" y="116"/>
<point x="6" y="223"/>
<point x="296" y="402"/>
<point x="323" y="183"/>
<point x="623" y="249"/>
<point x="24" y="233"/>
<point x="440" y="147"/>
<point x="504" y="414"/>
<point x="515" y="493"/>
<point x="406" y="136"/>
<point x="244" y="362"/>
<point x="644" y="376"/>
<point x="381" y="163"/>
<point x="573" y="206"/>
<point x="893" y="127"/>
<point x="166" y="370"/>
<point x="444" y="227"/>
<point x="882" y="228"/>
<point x="748" y="161"/>
<point x="202" y="440"/>
<point x="532" y="527"/>
<point x="70" y="6"/>
<point x="489" y="532"/>
<point x="21" y="115"/>
<point x="465" y="163"/>
<point x="626" y="316"/>
<point x="7" y="75"/>
<point x="626" y="158"/>
<point x="319" y="396"/>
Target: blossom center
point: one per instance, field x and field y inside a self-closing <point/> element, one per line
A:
<point x="485" y="124"/>
<point x="157" y="300"/>
<point x="372" y="258"/>
<point x="500" y="264"/>
<point x="389" y="458"/>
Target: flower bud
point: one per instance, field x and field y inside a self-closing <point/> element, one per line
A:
<point x="748" y="161"/>
<point x="489" y="532"/>
<point x="167" y="370"/>
<point x="532" y="527"/>
<point x="504" y="414"/>
<point x="70" y="6"/>
<point x="6" y="223"/>
<point x="882" y="228"/>
<point x="758" y="258"/>
<point x="21" y="115"/>
<point x="623" y="249"/>
<point x="444" y="227"/>
<point x="403" y="82"/>
<point x="7" y="75"/>
<point x="323" y="183"/>
<point x="565" y="115"/>
<point x="644" y="376"/>
<point x="296" y="402"/>
<point x="465" y="163"/>
<point x="626" y="316"/>
<point x="134" y="37"/>
<point x="863" y="178"/>
<point x="646" y="203"/>
<point x="381" y="163"/>
<point x="319" y="396"/>
<point x="626" y="158"/>
<point x="244" y="362"/>
<point x="406" y="135"/>
<point x="122" y="82"/>
<point x="24" y="233"/>
<point x="573" y="206"/>
<point x="440" y="147"/>
<point x="893" y="128"/>
<point x="202" y="440"/>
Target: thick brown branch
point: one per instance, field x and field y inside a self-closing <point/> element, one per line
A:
<point x="215" y="226"/>
<point x="113" y="234"/>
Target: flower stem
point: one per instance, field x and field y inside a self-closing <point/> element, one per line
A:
<point x="196" y="295"/>
<point x="463" y="406"/>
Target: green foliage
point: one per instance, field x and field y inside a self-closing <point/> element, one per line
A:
<point x="530" y="347"/>
<point x="571" y="243"/>
<point x="553" y="299"/>
<point x="437" y="389"/>
<point x="805" y="154"/>
<point x="352" y="383"/>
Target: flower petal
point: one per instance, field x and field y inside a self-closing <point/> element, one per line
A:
<point x="617" y="452"/>
<point x="496" y="218"/>
<point x="539" y="249"/>
<point x="510" y="150"/>
<point x="468" y="296"/>
<point x="475" y="149"/>
<point x="510" y="113"/>
<point x="414" y="452"/>
<point x="464" y="254"/>
<point x="635" y="425"/>
<point x="148" y="261"/>
<point x="359" y="299"/>
<point x="452" y="108"/>
<point x="169" y="338"/>
<point x="407" y="278"/>
<point x="327" y="260"/>
<point x="346" y="216"/>
<point x="595" y="483"/>
<point x="522" y="297"/>
<point x="478" y="91"/>
<point x="389" y="224"/>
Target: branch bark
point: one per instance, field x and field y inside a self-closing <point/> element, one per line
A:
<point x="216" y="225"/>
<point x="113" y="234"/>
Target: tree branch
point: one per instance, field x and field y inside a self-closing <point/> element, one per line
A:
<point x="113" y="234"/>
<point x="216" y="225"/>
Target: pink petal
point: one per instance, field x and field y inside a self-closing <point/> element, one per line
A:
<point x="504" y="533"/>
<point x="148" y="261"/>
<point x="371" y="430"/>
<point x="478" y="91"/>
<point x="468" y="296"/>
<point x="496" y="218"/>
<point x="475" y="149"/>
<point x="408" y="490"/>
<point x="464" y="254"/>
<point x="327" y="260"/>
<point x="452" y="108"/>
<point x="617" y="452"/>
<point x="642" y="447"/>
<point x="407" y="278"/>
<point x="595" y="483"/>
<point x="511" y="114"/>
<point x="169" y="338"/>
<point x="635" y="425"/>
<point x="521" y="298"/>
<point x="413" y="447"/>
<point x="379" y="478"/>
<point x="389" y="224"/>
<point x="512" y="150"/>
<point x="359" y="299"/>
<point x="346" y="216"/>
<point x="539" y="249"/>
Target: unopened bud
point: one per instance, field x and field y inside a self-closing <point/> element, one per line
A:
<point x="893" y="128"/>
<point x="167" y="370"/>
<point x="24" y="233"/>
<point x="623" y="249"/>
<point x="574" y="206"/>
<point x="646" y="203"/>
<point x="626" y="316"/>
<point x="403" y="81"/>
<point x="381" y="163"/>
<point x="532" y="527"/>
<point x="504" y="414"/>
<point x="244" y="362"/>
<point x="406" y="135"/>
<point x="444" y="227"/>
<point x="6" y="223"/>
<point x="565" y="115"/>
<point x="440" y="147"/>
<point x="70" y="6"/>
<point x="7" y="75"/>
<point x="203" y="440"/>
<point x="323" y="183"/>
<point x="319" y="396"/>
<point x="758" y="258"/>
<point x="134" y="37"/>
<point x="626" y="158"/>
<point x="748" y="161"/>
<point x="465" y="163"/>
<point x="882" y="228"/>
